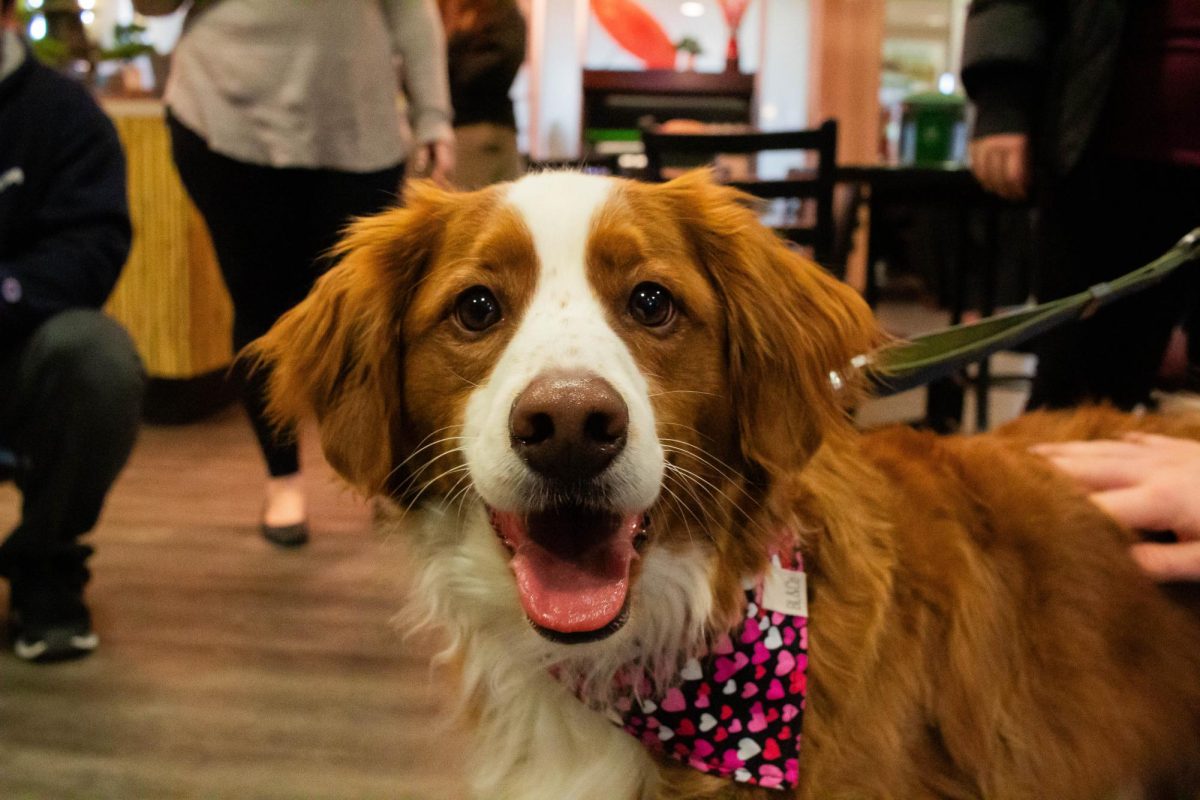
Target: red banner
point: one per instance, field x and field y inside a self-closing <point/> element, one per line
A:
<point x="636" y="30"/>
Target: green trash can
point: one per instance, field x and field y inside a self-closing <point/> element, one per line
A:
<point x="933" y="129"/>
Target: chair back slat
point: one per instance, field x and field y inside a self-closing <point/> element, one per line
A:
<point x="815" y="185"/>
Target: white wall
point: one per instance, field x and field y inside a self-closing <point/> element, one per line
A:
<point x="783" y="84"/>
<point x="554" y="79"/>
<point x="709" y="29"/>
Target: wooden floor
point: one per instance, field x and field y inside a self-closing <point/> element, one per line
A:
<point x="229" y="668"/>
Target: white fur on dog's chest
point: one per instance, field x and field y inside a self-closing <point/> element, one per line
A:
<point x="534" y="739"/>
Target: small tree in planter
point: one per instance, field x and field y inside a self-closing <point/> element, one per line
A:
<point x="690" y="47"/>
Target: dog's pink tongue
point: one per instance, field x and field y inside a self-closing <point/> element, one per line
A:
<point x="571" y="591"/>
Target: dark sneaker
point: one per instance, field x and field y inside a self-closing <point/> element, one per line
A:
<point x="286" y="535"/>
<point x="48" y="619"/>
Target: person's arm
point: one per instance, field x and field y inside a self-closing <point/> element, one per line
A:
<point x="80" y="230"/>
<point x="1146" y="482"/>
<point x="1005" y="54"/>
<point x="420" y="42"/>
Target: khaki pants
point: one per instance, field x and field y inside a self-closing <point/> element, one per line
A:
<point x="485" y="154"/>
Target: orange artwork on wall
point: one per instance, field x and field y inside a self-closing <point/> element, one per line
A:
<point x="636" y="30"/>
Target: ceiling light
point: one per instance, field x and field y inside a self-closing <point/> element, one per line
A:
<point x="692" y="9"/>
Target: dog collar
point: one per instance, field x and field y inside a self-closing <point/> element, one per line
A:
<point x="736" y="712"/>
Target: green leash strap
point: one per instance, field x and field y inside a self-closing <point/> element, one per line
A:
<point x="904" y="365"/>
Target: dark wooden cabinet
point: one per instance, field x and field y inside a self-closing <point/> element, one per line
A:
<point x="615" y="102"/>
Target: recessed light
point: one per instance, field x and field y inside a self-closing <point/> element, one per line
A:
<point x="692" y="9"/>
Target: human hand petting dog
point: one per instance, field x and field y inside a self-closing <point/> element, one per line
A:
<point x="1000" y="162"/>
<point x="1144" y="481"/>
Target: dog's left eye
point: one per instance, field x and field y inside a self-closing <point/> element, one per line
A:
<point x="651" y="305"/>
<point x="477" y="309"/>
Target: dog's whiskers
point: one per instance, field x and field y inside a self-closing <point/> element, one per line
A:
<point x="687" y="485"/>
<point x="688" y="428"/>
<point x="423" y="489"/>
<point x="704" y="458"/>
<point x="682" y="391"/>
<point x="460" y="495"/>
<point x="421" y="447"/>
<point x="711" y="490"/>
<point x="415" y="476"/>
<point x="682" y="507"/>
<point x="700" y="454"/>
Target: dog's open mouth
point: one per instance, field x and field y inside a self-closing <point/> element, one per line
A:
<point x="572" y="566"/>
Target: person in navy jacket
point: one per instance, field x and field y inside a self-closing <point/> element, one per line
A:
<point x="71" y="383"/>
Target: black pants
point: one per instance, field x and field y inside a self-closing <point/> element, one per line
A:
<point x="1106" y="218"/>
<point x="271" y="229"/>
<point x="70" y="401"/>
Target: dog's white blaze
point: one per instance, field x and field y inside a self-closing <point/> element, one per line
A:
<point x="564" y="328"/>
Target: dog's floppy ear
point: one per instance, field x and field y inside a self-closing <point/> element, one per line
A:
<point x="339" y="354"/>
<point x="790" y="325"/>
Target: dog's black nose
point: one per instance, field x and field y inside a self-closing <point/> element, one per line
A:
<point x="568" y="426"/>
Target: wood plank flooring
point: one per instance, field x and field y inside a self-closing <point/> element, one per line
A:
<point x="229" y="668"/>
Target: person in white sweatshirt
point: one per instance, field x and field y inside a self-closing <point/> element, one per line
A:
<point x="286" y="122"/>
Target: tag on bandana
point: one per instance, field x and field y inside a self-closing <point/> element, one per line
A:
<point x="785" y="591"/>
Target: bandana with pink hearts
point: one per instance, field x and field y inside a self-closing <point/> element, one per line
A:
<point x="737" y="711"/>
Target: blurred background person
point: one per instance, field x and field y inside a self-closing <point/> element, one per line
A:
<point x="285" y="124"/>
<point x="1089" y="108"/>
<point x="71" y="383"/>
<point x="485" y="48"/>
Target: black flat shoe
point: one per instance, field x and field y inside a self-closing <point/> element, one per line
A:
<point x="286" y="535"/>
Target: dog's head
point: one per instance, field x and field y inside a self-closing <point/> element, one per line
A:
<point x="607" y="368"/>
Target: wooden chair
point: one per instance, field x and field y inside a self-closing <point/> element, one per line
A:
<point x="813" y="224"/>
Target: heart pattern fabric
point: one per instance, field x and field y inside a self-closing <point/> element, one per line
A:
<point x="737" y="711"/>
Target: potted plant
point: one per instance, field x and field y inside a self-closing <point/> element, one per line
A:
<point x="690" y="47"/>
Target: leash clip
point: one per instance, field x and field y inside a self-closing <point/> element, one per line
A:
<point x="1097" y="292"/>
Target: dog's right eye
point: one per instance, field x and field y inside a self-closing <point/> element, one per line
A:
<point x="477" y="309"/>
<point x="651" y="305"/>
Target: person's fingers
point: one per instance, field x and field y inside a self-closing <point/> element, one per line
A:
<point x="1000" y="162"/>
<point x="995" y="169"/>
<point x="1097" y="474"/>
<point x="1168" y="562"/>
<point x="1097" y="448"/>
<point x="1171" y="446"/>
<point x="1015" y="172"/>
<point x="1137" y="507"/>
<point x="980" y="154"/>
<point x="1101" y="464"/>
<point x="420" y="160"/>
<point x="975" y="152"/>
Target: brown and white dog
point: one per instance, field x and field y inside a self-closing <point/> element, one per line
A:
<point x="607" y="404"/>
